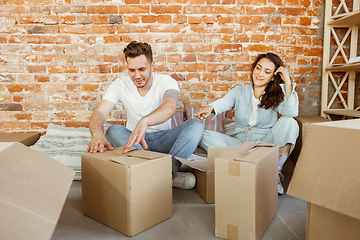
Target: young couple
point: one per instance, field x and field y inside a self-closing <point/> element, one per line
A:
<point x="150" y="101"/>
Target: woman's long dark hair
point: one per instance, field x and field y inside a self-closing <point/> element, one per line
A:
<point x="273" y="95"/>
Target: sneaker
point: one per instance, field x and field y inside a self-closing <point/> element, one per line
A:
<point x="280" y="178"/>
<point x="184" y="180"/>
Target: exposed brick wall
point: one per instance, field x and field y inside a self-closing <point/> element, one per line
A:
<point x="58" y="56"/>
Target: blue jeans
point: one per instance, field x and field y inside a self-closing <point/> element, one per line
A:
<point x="180" y="141"/>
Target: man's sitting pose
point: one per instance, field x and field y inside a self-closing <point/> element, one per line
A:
<point x="150" y="101"/>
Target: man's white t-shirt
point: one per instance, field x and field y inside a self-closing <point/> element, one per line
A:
<point x="124" y="90"/>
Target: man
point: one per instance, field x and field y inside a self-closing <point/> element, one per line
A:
<point x="150" y="101"/>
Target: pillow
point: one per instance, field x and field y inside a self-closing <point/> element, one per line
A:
<point x="177" y="119"/>
<point x="217" y="124"/>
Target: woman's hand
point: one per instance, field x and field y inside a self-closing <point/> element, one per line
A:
<point x="203" y="112"/>
<point x="284" y="74"/>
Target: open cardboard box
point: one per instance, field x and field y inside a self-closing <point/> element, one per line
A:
<point x="27" y="139"/>
<point x="246" y="195"/>
<point x="327" y="176"/>
<point x="128" y="192"/>
<point x="204" y="172"/>
<point x="33" y="189"/>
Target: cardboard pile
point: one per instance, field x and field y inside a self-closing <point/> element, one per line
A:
<point x="27" y="139"/>
<point x="246" y="197"/>
<point x="33" y="190"/>
<point x="327" y="176"/>
<point x="304" y="123"/>
<point x="128" y="192"/>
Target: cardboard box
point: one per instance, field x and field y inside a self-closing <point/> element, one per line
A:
<point x="204" y="172"/>
<point x="246" y="196"/>
<point x="33" y="190"/>
<point x="127" y="192"/>
<point x="327" y="176"/>
<point x="27" y="139"/>
<point x="304" y="123"/>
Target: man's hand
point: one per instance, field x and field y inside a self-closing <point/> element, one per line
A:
<point x="98" y="144"/>
<point x="137" y="136"/>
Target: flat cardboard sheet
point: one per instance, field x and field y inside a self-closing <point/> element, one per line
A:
<point x="33" y="190"/>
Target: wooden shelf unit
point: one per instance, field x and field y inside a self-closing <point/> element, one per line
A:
<point x="349" y="20"/>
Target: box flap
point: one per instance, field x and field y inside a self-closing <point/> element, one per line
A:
<point x="255" y="150"/>
<point x="198" y="164"/>
<point x="135" y="157"/>
<point x="149" y="155"/>
<point x="328" y="169"/>
<point x="33" y="190"/>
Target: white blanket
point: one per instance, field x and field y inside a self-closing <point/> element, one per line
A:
<point x="65" y="144"/>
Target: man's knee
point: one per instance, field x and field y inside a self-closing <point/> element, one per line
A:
<point x="195" y="127"/>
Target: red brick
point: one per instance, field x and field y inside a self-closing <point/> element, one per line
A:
<point x="132" y="1"/>
<point x="75" y="29"/>
<point x="188" y="67"/>
<point x="16" y="39"/>
<point x="109" y="29"/>
<point x="198" y="10"/>
<point x="132" y="19"/>
<point x="41" y="78"/>
<point x="32" y="39"/>
<point x="63" y="69"/>
<point x="15" y="87"/>
<point x="127" y="9"/>
<point x="89" y="87"/>
<point x="47" y="39"/>
<point x="226" y="19"/>
<point x="274" y="20"/>
<point x="30" y="58"/>
<point x="177" y="77"/>
<point x="292" y="11"/>
<point x="112" y="39"/>
<point x="304" y="31"/>
<point x="227" y="10"/>
<point x="259" y="48"/>
<point x="251" y="10"/>
<point x="102" y="9"/>
<point x="173" y="58"/>
<point x="33" y="87"/>
<point x="167" y="28"/>
<point x="36" y="69"/>
<point x="155" y="9"/>
<point x="228" y="48"/>
<point x="220" y="87"/>
<point x="101" y="19"/>
<point x="148" y="18"/>
<point x="305" y="21"/>
<point x="63" y="39"/>
<point x="315" y="52"/>
<point x="68" y="20"/>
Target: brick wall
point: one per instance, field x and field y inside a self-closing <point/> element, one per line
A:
<point x="58" y="56"/>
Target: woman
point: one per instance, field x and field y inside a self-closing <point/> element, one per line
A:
<point x="257" y="106"/>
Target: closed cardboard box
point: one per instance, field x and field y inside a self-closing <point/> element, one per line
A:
<point x="33" y="189"/>
<point x="304" y="123"/>
<point x="327" y="176"/>
<point x="127" y="192"/>
<point x="246" y="194"/>
<point x="27" y="139"/>
<point x="204" y="172"/>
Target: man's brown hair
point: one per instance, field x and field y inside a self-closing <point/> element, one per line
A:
<point x="135" y="49"/>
